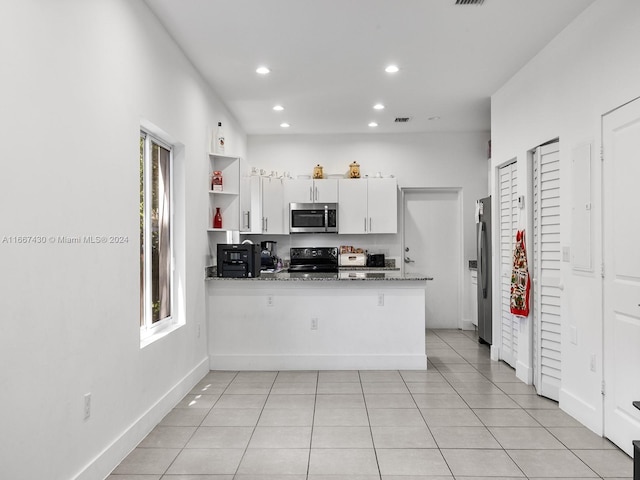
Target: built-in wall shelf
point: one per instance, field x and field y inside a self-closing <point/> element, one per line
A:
<point x="213" y="192"/>
<point x="227" y="199"/>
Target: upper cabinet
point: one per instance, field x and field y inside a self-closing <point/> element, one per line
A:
<point x="262" y="209"/>
<point x="368" y="205"/>
<point x="310" y="191"/>
<point x="226" y="197"/>
<point x="272" y="206"/>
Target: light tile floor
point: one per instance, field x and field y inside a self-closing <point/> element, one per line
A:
<point x="465" y="418"/>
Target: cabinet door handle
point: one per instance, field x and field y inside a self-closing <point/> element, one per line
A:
<point x="365" y="224"/>
<point x="369" y="224"/>
<point x="315" y="194"/>
<point x="311" y="194"/>
<point x="266" y="224"/>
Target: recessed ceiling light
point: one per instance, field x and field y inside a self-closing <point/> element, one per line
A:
<point x="278" y="108"/>
<point x="434" y="118"/>
<point x="262" y="70"/>
<point x="378" y="106"/>
<point x="285" y="125"/>
<point x="391" y="69"/>
<point x="373" y="124"/>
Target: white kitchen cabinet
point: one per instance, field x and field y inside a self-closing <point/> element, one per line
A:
<point x="310" y="191"/>
<point x="246" y="194"/>
<point x="263" y="205"/>
<point x="382" y="196"/>
<point x="352" y="206"/>
<point x="272" y="205"/>
<point x="368" y="206"/>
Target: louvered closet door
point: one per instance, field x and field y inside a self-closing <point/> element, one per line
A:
<point x="546" y="270"/>
<point x="508" y="178"/>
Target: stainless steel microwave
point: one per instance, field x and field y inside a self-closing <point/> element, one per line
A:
<point x="313" y="217"/>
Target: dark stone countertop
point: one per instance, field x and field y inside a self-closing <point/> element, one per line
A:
<point x="283" y="276"/>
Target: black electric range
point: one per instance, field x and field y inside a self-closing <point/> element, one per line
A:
<point x="314" y="260"/>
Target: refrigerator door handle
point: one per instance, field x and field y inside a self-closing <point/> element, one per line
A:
<point x="482" y="266"/>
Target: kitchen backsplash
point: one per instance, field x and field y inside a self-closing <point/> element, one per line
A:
<point x="385" y="244"/>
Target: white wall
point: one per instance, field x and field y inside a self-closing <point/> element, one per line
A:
<point x="453" y="160"/>
<point x="587" y="70"/>
<point x="77" y="79"/>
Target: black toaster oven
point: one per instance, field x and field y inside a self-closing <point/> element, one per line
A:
<point x="375" y="260"/>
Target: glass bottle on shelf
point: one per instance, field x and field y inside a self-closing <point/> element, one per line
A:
<point x="217" y="219"/>
<point x="219" y="139"/>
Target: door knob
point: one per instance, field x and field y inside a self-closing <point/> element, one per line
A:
<point x="408" y="260"/>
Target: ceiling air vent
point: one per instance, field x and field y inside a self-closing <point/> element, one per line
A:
<point x="469" y="2"/>
<point x="402" y="119"/>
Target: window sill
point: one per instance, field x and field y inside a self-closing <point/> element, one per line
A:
<point x="159" y="333"/>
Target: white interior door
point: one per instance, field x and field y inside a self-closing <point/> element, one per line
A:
<point x="432" y="245"/>
<point x="508" y="225"/>
<point x="546" y="270"/>
<point x="621" y="171"/>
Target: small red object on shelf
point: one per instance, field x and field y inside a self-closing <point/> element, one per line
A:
<point x="217" y="219"/>
<point x="216" y="181"/>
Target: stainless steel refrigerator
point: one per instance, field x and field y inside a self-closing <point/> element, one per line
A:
<point x="483" y="231"/>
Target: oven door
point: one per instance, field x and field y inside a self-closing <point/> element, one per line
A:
<point x="313" y="217"/>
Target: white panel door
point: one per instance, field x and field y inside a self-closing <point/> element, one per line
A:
<point x="546" y="270"/>
<point x="431" y="242"/>
<point x="508" y="218"/>
<point x="621" y="171"/>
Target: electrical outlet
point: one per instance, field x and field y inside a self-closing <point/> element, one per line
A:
<point x="381" y="299"/>
<point x="269" y="300"/>
<point x="573" y="334"/>
<point x="593" y="363"/>
<point x="314" y="323"/>
<point x="87" y="406"/>
<point x="566" y="254"/>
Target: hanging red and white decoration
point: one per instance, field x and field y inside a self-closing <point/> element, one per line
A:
<point x="520" y="282"/>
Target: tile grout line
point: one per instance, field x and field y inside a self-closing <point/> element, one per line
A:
<point x="313" y="421"/>
<point x="427" y="424"/>
<point x="256" y="425"/>
<point x="373" y="442"/>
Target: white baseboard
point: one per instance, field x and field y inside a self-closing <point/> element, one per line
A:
<point x="524" y="373"/>
<point x="495" y="353"/>
<point x="318" y="362"/>
<point x="589" y="415"/>
<point x="468" y="325"/>
<point x="113" y="454"/>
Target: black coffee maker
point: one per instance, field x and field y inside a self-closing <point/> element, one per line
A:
<point x="269" y="255"/>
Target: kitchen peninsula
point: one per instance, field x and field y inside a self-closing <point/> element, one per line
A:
<point x="292" y="321"/>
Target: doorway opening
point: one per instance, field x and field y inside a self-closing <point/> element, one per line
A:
<point x="432" y="245"/>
